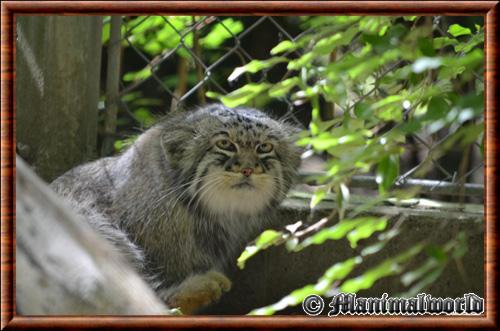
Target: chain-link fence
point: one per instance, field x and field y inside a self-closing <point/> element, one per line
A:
<point x="208" y="78"/>
<point x="185" y="69"/>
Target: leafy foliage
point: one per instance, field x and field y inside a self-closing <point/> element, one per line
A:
<point x="387" y="78"/>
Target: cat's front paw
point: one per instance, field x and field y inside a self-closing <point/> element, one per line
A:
<point x="198" y="291"/>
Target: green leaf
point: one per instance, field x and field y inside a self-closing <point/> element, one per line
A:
<point x="213" y="95"/>
<point x="387" y="109"/>
<point x="292" y="299"/>
<point x="153" y="47"/>
<point x="383" y="239"/>
<point x="301" y="61"/>
<point x="471" y="60"/>
<point x="375" y="24"/>
<point x="387" y="172"/>
<point x="317" y="197"/>
<point x="450" y="72"/>
<point x="391" y="266"/>
<point x="264" y="311"/>
<point x="138" y="75"/>
<point x="327" y="45"/>
<point x="426" y="46"/>
<point x="363" y="110"/>
<point x="266" y="239"/>
<point x="105" y="32"/>
<point x="367" y="280"/>
<point x="336" y="232"/>
<point x="340" y="270"/>
<point x="285" y="45"/>
<point x="366" y="230"/>
<point x="118" y="145"/>
<point x="477" y="39"/>
<point x="428" y="279"/>
<point x="413" y="275"/>
<point x="243" y="95"/>
<point x="441" y="42"/>
<point x="323" y="47"/>
<point x="409" y="18"/>
<point x="282" y="88"/>
<point x="249" y="251"/>
<point x="255" y="66"/>
<point x="457" y="30"/>
<point x="388" y="101"/>
<point x="437" y="252"/>
<point x="337" y="137"/>
<point x="219" y="33"/>
<point x="124" y="143"/>
<point x="300" y="294"/>
<point x="437" y="109"/>
<point x="144" y="116"/>
<point x="364" y="68"/>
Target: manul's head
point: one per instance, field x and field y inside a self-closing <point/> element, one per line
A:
<point x="235" y="161"/>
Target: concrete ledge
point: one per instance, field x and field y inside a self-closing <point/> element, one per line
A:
<point x="274" y="273"/>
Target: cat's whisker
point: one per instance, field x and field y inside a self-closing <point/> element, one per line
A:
<point x="213" y="188"/>
<point x="175" y="190"/>
<point x="183" y="189"/>
<point x="209" y="182"/>
<point x="186" y="191"/>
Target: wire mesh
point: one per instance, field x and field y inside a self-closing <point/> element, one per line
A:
<point x="209" y="70"/>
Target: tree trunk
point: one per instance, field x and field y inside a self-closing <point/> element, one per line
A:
<point x="63" y="266"/>
<point x="58" y="61"/>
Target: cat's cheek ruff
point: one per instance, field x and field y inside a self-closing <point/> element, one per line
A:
<point x="224" y="199"/>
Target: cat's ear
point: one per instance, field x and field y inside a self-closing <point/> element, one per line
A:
<point x="175" y="137"/>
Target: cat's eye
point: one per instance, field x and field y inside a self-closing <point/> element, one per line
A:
<point x="264" y="148"/>
<point x="225" y="144"/>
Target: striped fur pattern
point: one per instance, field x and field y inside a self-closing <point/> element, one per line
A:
<point x="187" y="196"/>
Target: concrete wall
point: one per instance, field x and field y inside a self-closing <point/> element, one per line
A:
<point x="58" y="61"/>
<point x="274" y="273"/>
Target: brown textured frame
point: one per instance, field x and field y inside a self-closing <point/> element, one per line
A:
<point x="9" y="9"/>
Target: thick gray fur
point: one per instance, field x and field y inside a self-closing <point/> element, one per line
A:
<point x="145" y="202"/>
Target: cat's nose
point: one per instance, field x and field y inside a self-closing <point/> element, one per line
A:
<point x="247" y="171"/>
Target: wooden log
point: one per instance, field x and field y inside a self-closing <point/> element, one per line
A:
<point x="63" y="266"/>
<point x="58" y="61"/>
